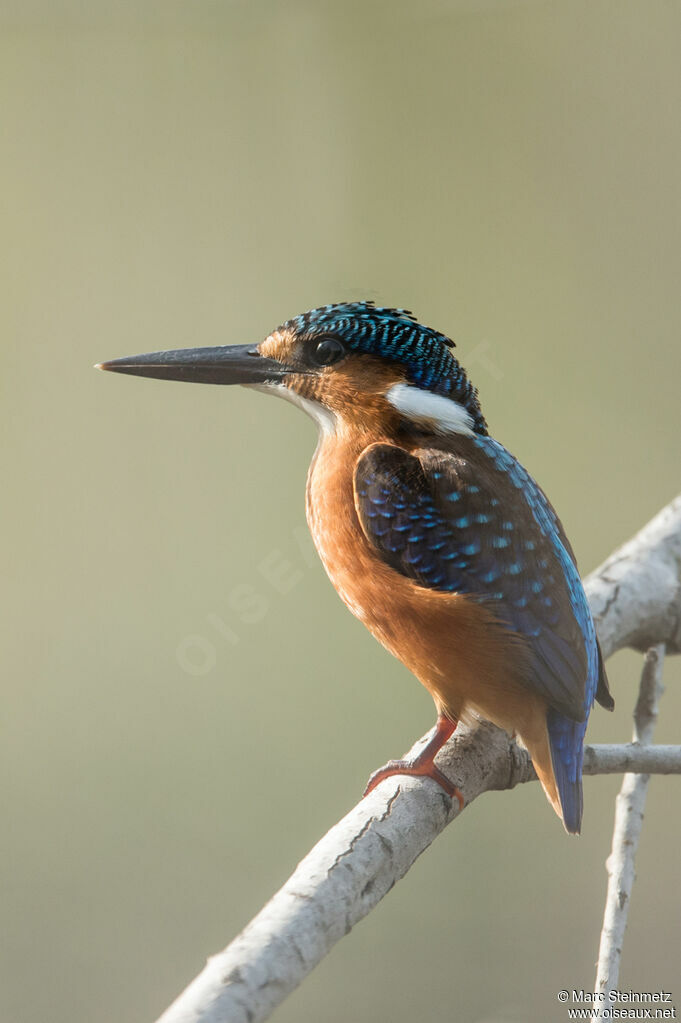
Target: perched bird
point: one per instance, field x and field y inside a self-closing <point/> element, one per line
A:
<point x="432" y="533"/>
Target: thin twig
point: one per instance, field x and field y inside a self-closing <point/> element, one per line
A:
<point x="632" y="757"/>
<point x="628" y="823"/>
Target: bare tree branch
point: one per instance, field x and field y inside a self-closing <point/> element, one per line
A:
<point x="632" y="757"/>
<point x="636" y="600"/>
<point x="635" y="595"/>
<point x="628" y="823"/>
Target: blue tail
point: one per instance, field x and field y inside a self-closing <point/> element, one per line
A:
<point x="566" y="739"/>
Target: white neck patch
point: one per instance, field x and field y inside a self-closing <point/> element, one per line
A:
<point x="434" y="411"/>
<point x="323" y="417"/>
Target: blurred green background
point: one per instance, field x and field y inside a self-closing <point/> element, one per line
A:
<point x="176" y="732"/>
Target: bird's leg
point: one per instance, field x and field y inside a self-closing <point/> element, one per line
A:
<point x="423" y="764"/>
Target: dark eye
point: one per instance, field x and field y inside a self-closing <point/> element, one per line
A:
<point x="327" y="351"/>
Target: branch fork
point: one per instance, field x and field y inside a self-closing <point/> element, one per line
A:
<point x="635" y="597"/>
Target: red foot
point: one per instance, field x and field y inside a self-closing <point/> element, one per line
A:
<point x="424" y="764"/>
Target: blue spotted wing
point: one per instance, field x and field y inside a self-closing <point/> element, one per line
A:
<point x="467" y="521"/>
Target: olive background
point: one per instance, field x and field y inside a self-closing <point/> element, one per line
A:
<point x="178" y="729"/>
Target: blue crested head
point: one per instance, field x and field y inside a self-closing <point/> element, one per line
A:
<point x="395" y="335"/>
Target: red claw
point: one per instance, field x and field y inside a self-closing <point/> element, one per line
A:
<point x="422" y="765"/>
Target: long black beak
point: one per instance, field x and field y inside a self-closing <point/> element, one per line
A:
<point x="229" y="364"/>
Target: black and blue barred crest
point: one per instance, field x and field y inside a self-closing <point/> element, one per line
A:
<point x="395" y="334"/>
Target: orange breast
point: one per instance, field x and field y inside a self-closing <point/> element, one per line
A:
<point x="453" y="645"/>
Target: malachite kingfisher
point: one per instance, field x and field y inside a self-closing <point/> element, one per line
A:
<point x="431" y="532"/>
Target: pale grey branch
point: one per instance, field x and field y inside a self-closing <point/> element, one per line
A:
<point x="632" y="757"/>
<point x="635" y="595"/>
<point x="628" y="823"/>
<point x="636" y="600"/>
